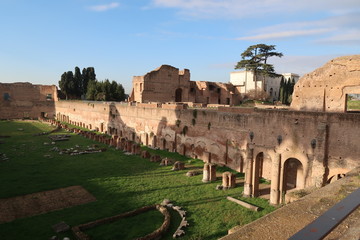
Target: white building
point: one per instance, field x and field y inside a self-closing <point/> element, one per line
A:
<point x="244" y="80"/>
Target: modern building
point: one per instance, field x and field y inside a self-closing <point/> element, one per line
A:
<point x="245" y="82"/>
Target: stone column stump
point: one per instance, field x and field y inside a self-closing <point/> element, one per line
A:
<point x="155" y="158"/>
<point x="209" y="172"/>
<point x="228" y="180"/>
<point x="145" y="154"/>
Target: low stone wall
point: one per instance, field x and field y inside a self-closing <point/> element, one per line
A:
<point x="80" y="235"/>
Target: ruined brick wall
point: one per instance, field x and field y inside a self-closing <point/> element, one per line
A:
<point x="215" y="93"/>
<point x="164" y="84"/>
<point x="25" y="100"/>
<point x="325" y="144"/>
<point x="168" y="84"/>
<point x="325" y="89"/>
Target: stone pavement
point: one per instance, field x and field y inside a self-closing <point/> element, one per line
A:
<point x="289" y="219"/>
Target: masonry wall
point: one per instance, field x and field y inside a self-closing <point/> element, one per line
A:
<point x="324" y="144"/>
<point x="169" y="84"/>
<point x="25" y="100"/>
<point x="325" y="89"/>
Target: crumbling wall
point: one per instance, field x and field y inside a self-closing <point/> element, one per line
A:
<point x="325" y="89"/>
<point x="25" y="100"/>
<point x="324" y="143"/>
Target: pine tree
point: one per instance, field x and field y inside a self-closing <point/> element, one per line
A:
<point x="255" y="57"/>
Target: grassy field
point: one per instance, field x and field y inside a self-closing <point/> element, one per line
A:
<point x="353" y="105"/>
<point x="120" y="183"/>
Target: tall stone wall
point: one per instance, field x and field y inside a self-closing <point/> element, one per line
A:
<point x="326" y="88"/>
<point x="319" y="144"/>
<point x="25" y="100"/>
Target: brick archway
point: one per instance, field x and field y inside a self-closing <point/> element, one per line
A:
<point x="178" y="95"/>
<point x="293" y="174"/>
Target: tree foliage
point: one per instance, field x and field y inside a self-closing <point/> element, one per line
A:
<point x="286" y="90"/>
<point x="83" y="85"/>
<point x="105" y="91"/>
<point x="255" y="58"/>
<point x="74" y="85"/>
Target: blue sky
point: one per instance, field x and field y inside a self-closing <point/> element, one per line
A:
<point x="41" y="39"/>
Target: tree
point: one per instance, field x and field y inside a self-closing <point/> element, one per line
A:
<point x="74" y="85"/>
<point x="91" y="90"/>
<point x="78" y="79"/>
<point x="63" y="85"/>
<point x="67" y="85"/>
<point x="105" y="91"/>
<point x="255" y="58"/>
<point x="282" y="89"/>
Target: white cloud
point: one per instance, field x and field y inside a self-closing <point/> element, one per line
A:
<point x="104" y="7"/>
<point x="300" y="64"/>
<point x="295" y="64"/>
<point x="350" y="37"/>
<point x="334" y="29"/>
<point x="286" y="34"/>
<point x="244" y="8"/>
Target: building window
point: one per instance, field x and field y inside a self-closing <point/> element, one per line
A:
<point x="192" y="90"/>
<point x="141" y="86"/>
<point x="219" y="90"/>
<point x="6" y="96"/>
<point x="211" y="87"/>
<point x="49" y="96"/>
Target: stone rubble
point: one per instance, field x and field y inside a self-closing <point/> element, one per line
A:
<point x="184" y="223"/>
<point x="3" y="157"/>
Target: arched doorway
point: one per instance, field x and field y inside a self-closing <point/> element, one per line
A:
<point x="164" y="144"/>
<point x="154" y="142"/>
<point x="178" y="95"/>
<point x="293" y="174"/>
<point x="262" y="170"/>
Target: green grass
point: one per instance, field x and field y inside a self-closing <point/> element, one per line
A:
<point x="120" y="183"/>
<point x="353" y="104"/>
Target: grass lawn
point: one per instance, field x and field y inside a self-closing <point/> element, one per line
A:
<point x="120" y="184"/>
<point x="353" y="105"/>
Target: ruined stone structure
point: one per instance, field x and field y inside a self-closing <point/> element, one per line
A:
<point x="293" y="149"/>
<point x="25" y="100"/>
<point x="326" y="88"/>
<point x="209" y="172"/>
<point x="168" y="84"/>
<point x="228" y="180"/>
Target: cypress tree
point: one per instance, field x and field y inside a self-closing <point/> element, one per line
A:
<point x="281" y="89"/>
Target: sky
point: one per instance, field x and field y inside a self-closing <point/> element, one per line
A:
<point x="41" y="39"/>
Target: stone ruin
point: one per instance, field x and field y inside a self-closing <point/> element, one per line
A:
<point x="178" y="166"/>
<point x="61" y="137"/>
<point x="166" y="162"/>
<point x="77" y="150"/>
<point x="184" y="223"/>
<point x="145" y="154"/>
<point x="209" y="172"/>
<point x="191" y="173"/>
<point x="326" y="88"/>
<point x="228" y="180"/>
<point x="135" y="148"/>
<point x="155" y="158"/>
<point x="3" y="157"/>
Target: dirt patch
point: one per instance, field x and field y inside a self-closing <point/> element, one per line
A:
<point x="43" y="202"/>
